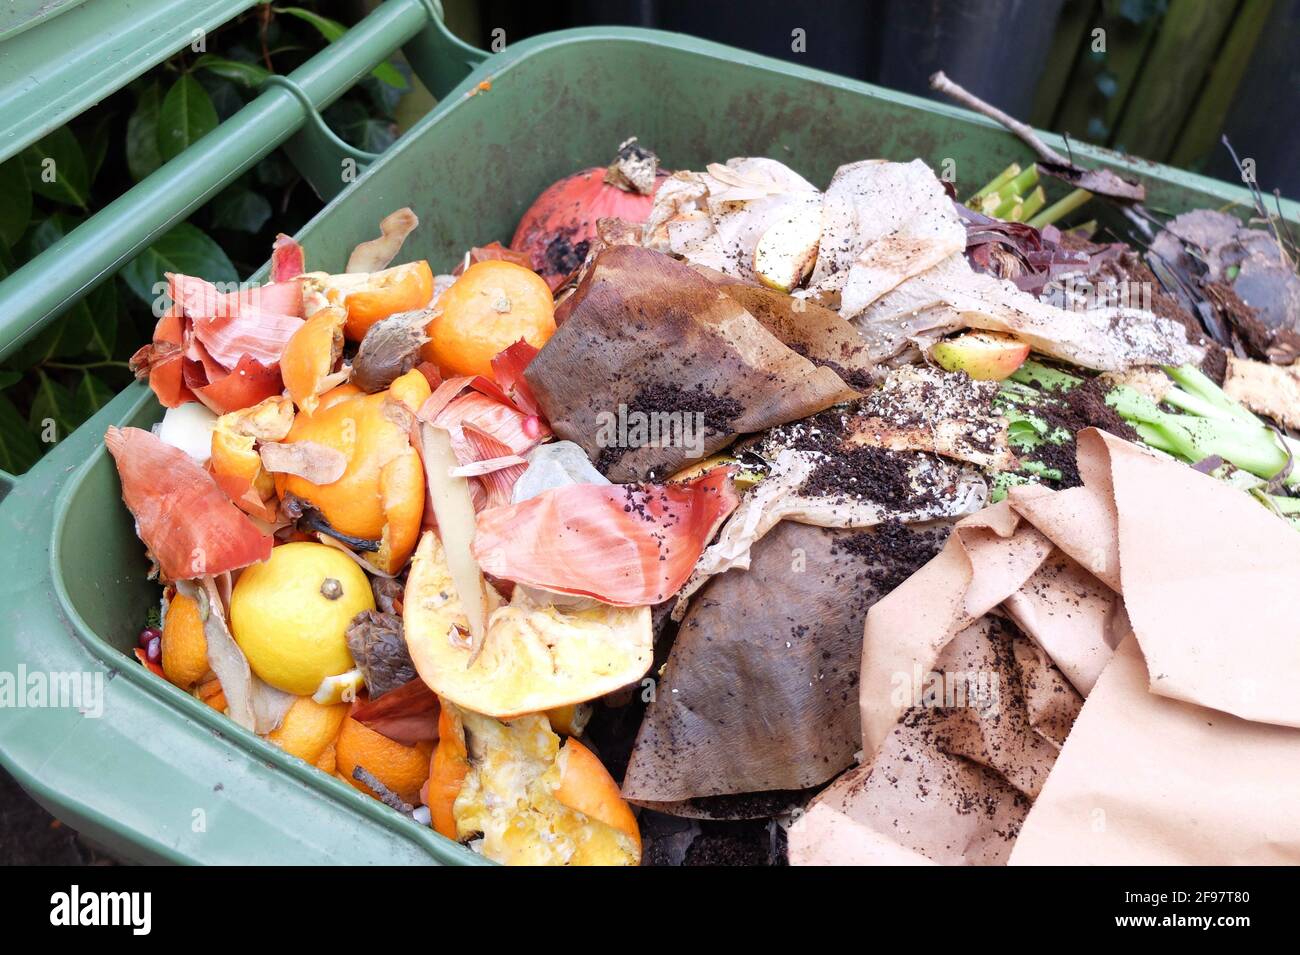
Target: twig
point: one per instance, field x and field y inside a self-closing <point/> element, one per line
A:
<point x="1286" y="226"/>
<point x="940" y="82"/>
<point x="1098" y="180"/>
<point x="386" y="795"/>
<point x="1259" y="199"/>
<point x="264" y="17"/>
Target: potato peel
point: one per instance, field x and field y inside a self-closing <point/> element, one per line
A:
<point x="375" y="254"/>
<point x="309" y="460"/>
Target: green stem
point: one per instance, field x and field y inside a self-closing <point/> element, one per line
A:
<point x="1008" y="209"/>
<point x="997" y="182"/>
<point x="1193" y="380"/>
<point x="1033" y="202"/>
<point x="1060" y="208"/>
<point x="1020" y="184"/>
<point x="1251" y="447"/>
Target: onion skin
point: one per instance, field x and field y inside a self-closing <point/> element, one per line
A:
<point x="558" y="227"/>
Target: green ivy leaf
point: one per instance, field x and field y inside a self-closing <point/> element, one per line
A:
<point x="48" y="343"/>
<point x="225" y="95"/>
<point x="96" y="140"/>
<point x="248" y="75"/>
<point x="53" y="403"/>
<point x="375" y="135"/>
<point x="38" y="350"/>
<point x="186" y="115"/>
<point x="19" y="448"/>
<point x="78" y="330"/>
<point x="16" y="211"/>
<point x="95" y="331"/>
<point x="92" y="394"/>
<point x="389" y="75"/>
<point x="240" y="208"/>
<point x="185" y="249"/>
<point x="56" y="168"/>
<point x="142" y="155"/>
<point x="273" y="171"/>
<point x="331" y="30"/>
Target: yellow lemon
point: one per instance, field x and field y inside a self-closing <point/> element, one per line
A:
<point x="290" y="614"/>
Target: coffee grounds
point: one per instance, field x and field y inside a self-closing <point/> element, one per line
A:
<point x="856" y="378"/>
<point x="1083" y="406"/>
<point x="875" y="474"/>
<point x="823" y="432"/>
<point x="737" y="844"/>
<point x="717" y="413"/>
<point x="894" y="550"/>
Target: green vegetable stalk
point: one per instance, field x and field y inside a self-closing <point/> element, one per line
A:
<point x="994" y="184"/>
<point x="1060" y="208"/>
<point x="1203" y="423"/>
<point x="1212" y="424"/>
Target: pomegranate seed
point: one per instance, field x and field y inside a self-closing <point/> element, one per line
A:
<point x="154" y="650"/>
<point x="147" y="634"/>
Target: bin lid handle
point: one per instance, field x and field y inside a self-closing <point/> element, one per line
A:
<point x="44" y="287"/>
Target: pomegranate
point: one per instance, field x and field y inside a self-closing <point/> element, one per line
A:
<point x="558" y="227"/>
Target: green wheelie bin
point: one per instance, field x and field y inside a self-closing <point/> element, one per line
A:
<point x="155" y="775"/>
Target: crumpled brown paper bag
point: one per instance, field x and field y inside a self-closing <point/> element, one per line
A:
<point x="1186" y="749"/>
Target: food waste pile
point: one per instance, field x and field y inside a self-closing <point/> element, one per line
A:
<point x="570" y="553"/>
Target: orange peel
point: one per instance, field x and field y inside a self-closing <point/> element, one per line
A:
<point x="402" y="769"/>
<point x="308" y="728"/>
<point x="491" y="306"/>
<point x="211" y="693"/>
<point x="368" y="297"/>
<point x="380" y="496"/>
<point x="447" y="771"/>
<point x="310" y="357"/>
<point x="184" y="644"/>
<point x="236" y="466"/>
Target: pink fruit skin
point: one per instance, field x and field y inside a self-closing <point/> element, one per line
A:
<point x="981" y="356"/>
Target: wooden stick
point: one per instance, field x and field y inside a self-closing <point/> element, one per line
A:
<point x="939" y="81"/>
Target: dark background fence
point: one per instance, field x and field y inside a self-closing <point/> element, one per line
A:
<point x="1163" y="79"/>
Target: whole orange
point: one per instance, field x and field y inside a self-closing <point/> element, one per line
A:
<point x="489" y="308"/>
